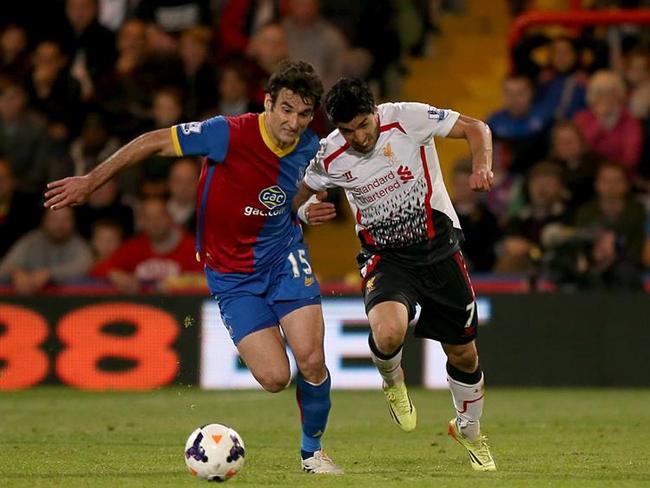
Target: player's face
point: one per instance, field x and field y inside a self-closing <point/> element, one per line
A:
<point x="361" y="132"/>
<point x="288" y="117"/>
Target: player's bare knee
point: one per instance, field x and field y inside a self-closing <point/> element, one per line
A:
<point x="312" y="366"/>
<point x="388" y="338"/>
<point x="274" y="383"/>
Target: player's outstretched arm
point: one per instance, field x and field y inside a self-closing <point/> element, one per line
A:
<point x="479" y="138"/>
<point x="75" y="190"/>
<point x="311" y="208"/>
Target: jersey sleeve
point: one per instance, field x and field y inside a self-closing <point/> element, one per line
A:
<point x="208" y="138"/>
<point x="316" y="177"/>
<point x="423" y="121"/>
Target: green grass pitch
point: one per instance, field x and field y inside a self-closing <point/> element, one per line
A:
<point x="58" y="437"/>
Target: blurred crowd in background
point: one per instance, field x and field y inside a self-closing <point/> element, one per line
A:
<point x="79" y="78"/>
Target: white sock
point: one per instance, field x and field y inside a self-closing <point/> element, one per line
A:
<point x="389" y="369"/>
<point x="468" y="401"/>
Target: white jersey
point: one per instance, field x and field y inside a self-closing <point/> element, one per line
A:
<point x="396" y="192"/>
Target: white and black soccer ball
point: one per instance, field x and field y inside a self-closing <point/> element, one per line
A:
<point x="214" y="452"/>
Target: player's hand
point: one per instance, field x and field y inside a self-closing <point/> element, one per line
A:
<point x="321" y="212"/>
<point x="68" y="192"/>
<point x="481" y="180"/>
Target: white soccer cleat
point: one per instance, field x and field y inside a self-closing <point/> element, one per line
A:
<point x="320" y="463"/>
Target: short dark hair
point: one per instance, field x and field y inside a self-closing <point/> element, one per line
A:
<point x="348" y="98"/>
<point x="299" y="77"/>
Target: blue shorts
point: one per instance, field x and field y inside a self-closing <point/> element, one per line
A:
<point x="253" y="301"/>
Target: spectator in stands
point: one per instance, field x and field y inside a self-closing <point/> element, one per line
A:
<point x="183" y="182"/>
<point x="23" y="139"/>
<point x="519" y="129"/>
<point x="313" y="39"/>
<point x="166" y="111"/>
<point x="239" y="20"/>
<point x="480" y="226"/>
<point x="398" y="28"/>
<point x="53" y="92"/>
<point x="607" y="238"/>
<point x="53" y="253"/>
<point x="163" y="251"/>
<point x="139" y="71"/>
<point x="234" y="92"/>
<point x="113" y="13"/>
<point x="637" y="77"/>
<point x="14" y="57"/>
<point x="562" y="85"/>
<point x="265" y="51"/>
<point x="93" y="145"/>
<point x="132" y="47"/>
<point x="200" y="78"/>
<point x="570" y="150"/>
<point x="89" y="46"/>
<point x="174" y="16"/>
<point x="521" y="247"/>
<point x="166" y="107"/>
<point x="607" y="126"/>
<point x="107" y="236"/>
<point x="105" y="203"/>
<point x="19" y="212"/>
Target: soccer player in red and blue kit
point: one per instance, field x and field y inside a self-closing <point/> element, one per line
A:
<point x="250" y="242"/>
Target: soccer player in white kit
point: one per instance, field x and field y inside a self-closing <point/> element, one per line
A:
<point x="385" y="159"/>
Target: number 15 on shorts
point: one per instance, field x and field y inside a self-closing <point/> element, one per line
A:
<point x="299" y="262"/>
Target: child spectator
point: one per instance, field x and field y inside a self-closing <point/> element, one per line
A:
<point x="162" y="251"/>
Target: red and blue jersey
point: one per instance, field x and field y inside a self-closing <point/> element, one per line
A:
<point x="247" y="183"/>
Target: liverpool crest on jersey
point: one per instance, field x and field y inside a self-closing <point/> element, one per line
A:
<point x="389" y="154"/>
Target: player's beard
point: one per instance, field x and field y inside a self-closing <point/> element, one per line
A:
<point x="368" y="147"/>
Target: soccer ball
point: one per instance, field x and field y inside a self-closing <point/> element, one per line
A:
<point x="214" y="452"/>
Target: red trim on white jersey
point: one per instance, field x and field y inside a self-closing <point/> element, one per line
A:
<point x="369" y="268"/>
<point x="427" y="202"/>
<point x="365" y="235"/>
<point x="328" y="160"/>
<point x="392" y="125"/>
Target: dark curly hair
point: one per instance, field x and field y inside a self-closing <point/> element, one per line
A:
<point x="299" y="77"/>
<point x="348" y="98"/>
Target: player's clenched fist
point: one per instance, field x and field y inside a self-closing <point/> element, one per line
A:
<point x="317" y="213"/>
<point x="68" y="192"/>
<point x="481" y="180"/>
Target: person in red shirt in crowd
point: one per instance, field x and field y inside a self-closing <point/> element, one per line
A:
<point x="160" y="252"/>
<point x="607" y="126"/>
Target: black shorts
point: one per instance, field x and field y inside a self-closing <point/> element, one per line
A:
<point x="442" y="289"/>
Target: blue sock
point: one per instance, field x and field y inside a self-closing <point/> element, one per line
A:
<point x="314" y="403"/>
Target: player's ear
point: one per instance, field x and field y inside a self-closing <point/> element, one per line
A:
<point x="268" y="103"/>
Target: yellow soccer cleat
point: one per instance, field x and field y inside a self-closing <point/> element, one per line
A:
<point x="401" y="407"/>
<point x="478" y="450"/>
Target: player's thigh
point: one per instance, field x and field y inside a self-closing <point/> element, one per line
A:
<point x="448" y="307"/>
<point x="304" y="331"/>
<point x="264" y="353"/>
<point x="244" y="314"/>
<point x="390" y="294"/>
